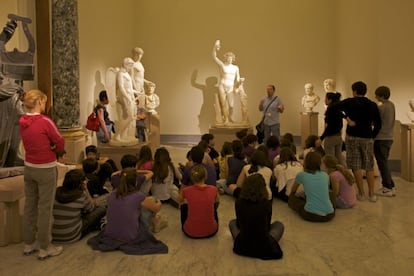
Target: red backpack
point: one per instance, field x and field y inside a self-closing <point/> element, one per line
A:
<point x="92" y="123"/>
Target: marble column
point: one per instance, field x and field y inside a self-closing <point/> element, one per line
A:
<point x="65" y="76"/>
<point x="65" y="63"/>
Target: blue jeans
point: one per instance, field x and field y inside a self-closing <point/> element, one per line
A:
<point x="271" y="130"/>
<point x="382" y="151"/>
<point x="100" y="135"/>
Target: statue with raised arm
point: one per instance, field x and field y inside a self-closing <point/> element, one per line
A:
<point x="229" y="74"/>
<point x="126" y="107"/>
<point x="138" y="75"/>
<point x="310" y="100"/>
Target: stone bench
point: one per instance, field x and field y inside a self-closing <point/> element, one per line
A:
<point x="11" y="205"/>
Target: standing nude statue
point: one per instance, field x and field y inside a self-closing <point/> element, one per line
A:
<point x="137" y="74"/>
<point x="126" y="107"/>
<point x="229" y="74"/>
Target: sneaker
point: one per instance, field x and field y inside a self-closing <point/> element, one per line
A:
<point x="51" y="251"/>
<point x="361" y="197"/>
<point x="373" y="198"/>
<point x="394" y="193"/>
<point x="29" y="249"/>
<point x="385" y="192"/>
<point x="158" y="225"/>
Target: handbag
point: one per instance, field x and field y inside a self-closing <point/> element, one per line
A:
<point x="92" y="123"/>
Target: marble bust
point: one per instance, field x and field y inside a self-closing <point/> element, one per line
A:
<point x="310" y="100"/>
<point x="410" y="114"/>
<point x="152" y="101"/>
<point x="329" y="85"/>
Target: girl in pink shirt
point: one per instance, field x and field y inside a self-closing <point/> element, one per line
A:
<point x="341" y="182"/>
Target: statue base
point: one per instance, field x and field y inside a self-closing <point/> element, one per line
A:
<point x="226" y="133"/>
<point x="309" y="125"/>
<point x="124" y="143"/>
<point x="75" y="143"/>
<point x="115" y="153"/>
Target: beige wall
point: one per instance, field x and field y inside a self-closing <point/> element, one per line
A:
<point x="284" y="42"/>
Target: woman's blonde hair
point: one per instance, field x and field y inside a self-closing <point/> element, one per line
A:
<point x="198" y="174"/>
<point x="332" y="163"/>
<point x="32" y="96"/>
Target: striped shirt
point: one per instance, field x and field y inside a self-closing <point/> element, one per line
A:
<point x="67" y="224"/>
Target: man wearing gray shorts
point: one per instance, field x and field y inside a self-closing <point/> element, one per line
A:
<point x="365" y="124"/>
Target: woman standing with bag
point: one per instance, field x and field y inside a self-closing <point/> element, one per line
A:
<point x="105" y="127"/>
<point x="41" y="140"/>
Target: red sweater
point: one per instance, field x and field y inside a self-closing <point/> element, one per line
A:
<point x="39" y="134"/>
<point x="200" y="221"/>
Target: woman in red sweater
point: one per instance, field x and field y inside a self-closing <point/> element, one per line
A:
<point x="199" y="214"/>
<point x="41" y="140"/>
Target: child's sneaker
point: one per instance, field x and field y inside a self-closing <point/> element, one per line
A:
<point x="49" y="252"/>
<point x="29" y="249"/>
<point x="373" y="198"/>
<point x="361" y="197"/>
<point x="385" y="192"/>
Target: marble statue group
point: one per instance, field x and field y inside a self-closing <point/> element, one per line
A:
<point x="131" y="91"/>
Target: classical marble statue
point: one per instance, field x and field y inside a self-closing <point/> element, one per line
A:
<point x="125" y="106"/>
<point x="310" y="100"/>
<point x="410" y="114"/>
<point x="229" y="74"/>
<point x="243" y="102"/>
<point x="138" y="75"/>
<point x="329" y="85"/>
<point x="152" y="101"/>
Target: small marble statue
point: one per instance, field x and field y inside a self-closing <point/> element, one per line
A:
<point x="229" y="74"/>
<point x="126" y="107"/>
<point x="152" y="101"/>
<point x="138" y="75"/>
<point x="243" y="102"/>
<point x="329" y="85"/>
<point x="410" y="114"/>
<point x="310" y="100"/>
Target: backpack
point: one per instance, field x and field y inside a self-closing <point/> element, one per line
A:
<point x="92" y="123"/>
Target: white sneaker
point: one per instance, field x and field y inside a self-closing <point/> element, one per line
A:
<point x="361" y="197"/>
<point x="49" y="252"/>
<point x="373" y="198"/>
<point x="385" y="192"/>
<point x="29" y="249"/>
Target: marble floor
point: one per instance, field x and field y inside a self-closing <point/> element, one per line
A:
<point x="370" y="239"/>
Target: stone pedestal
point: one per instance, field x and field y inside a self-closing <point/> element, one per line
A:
<point x="116" y="153"/>
<point x="309" y="125"/>
<point x="153" y="127"/>
<point x="407" y="152"/>
<point x="75" y="143"/>
<point x="223" y="134"/>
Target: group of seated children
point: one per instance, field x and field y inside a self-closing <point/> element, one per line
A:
<point x="253" y="176"/>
